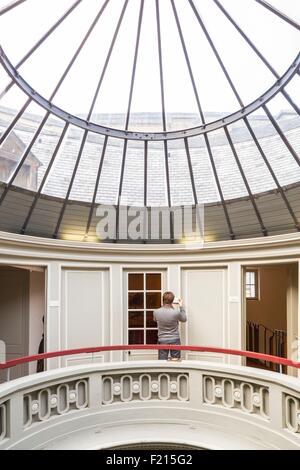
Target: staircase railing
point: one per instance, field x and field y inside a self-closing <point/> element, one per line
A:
<point x="265" y="340"/>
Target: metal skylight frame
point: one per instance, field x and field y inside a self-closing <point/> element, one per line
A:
<point x="184" y="134"/>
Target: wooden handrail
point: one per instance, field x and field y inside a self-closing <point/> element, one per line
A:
<point x="132" y="347"/>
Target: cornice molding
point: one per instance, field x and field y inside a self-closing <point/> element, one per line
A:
<point x="28" y="246"/>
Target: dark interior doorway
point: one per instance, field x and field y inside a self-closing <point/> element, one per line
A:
<point x="270" y="302"/>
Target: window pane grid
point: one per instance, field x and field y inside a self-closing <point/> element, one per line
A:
<point x="251" y="286"/>
<point x="141" y="303"/>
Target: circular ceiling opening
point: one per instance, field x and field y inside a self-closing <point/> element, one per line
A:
<point x="149" y="66"/>
<point x="149" y="103"/>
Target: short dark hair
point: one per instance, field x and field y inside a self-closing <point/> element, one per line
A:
<point x="168" y="297"/>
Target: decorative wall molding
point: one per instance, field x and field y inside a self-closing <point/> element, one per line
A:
<point x="23" y="246"/>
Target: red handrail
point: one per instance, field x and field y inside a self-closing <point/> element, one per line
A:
<point x="132" y="347"/>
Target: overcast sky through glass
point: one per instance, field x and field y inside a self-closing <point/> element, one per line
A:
<point x="23" y="26"/>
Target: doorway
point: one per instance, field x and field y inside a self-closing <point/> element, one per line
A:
<point x="22" y="308"/>
<point x="271" y="306"/>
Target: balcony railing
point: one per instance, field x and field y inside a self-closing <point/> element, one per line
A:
<point x="207" y="405"/>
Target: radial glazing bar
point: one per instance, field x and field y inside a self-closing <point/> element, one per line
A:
<point x="81" y="45"/>
<point x="23" y="158"/>
<point x="216" y="53"/>
<point x="258" y="215"/>
<point x="55" y="234"/>
<point x="57" y="87"/>
<point x="198" y="217"/>
<point x="188" y="63"/>
<point x="163" y="111"/>
<point x="110" y="51"/>
<point x="279" y="13"/>
<point x="213" y="165"/>
<point x="257" y="52"/>
<point x="10" y="6"/>
<point x="145" y="173"/>
<point x="96" y="188"/>
<point x="136" y="52"/>
<point x="39" y="42"/>
<point x="14" y="121"/>
<point x="42" y="184"/>
<point x="120" y="189"/>
<point x="161" y="73"/>
<point x="207" y="143"/>
<point x="188" y="155"/>
<point x="145" y="188"/>
<point x="169" y="190"/>
<point x="281" y="134"/>
<point x="108" y="58"/>
<point x="264" y="157"/>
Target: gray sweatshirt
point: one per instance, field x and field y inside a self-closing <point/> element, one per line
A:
<point x="167" y="319"/>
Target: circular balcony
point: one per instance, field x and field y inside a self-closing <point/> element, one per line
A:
<point x="188" y="404"/>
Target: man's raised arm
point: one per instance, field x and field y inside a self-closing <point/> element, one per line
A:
<point x="182" y="312"/>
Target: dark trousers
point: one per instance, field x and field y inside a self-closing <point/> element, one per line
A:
<point x="164" y="353"/>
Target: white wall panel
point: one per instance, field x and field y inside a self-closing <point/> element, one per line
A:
<point x="205" y="298"/>
<point x="14" y="290"/>
<point x="84" y="311"/>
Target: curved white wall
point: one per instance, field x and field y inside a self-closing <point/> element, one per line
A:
<point x="86" y="288"/>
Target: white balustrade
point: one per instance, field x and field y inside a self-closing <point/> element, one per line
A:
<point x="236" y="403"/>
<point x="242" y="395"/>
<point x="3" y="421"/>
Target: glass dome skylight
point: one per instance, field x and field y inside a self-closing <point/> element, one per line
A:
<point x="150" y="103"/>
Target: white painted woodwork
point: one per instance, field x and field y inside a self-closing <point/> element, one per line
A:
<point x="205" y="294"/>
<point x="2" y="351"/>
<point x="293" y="342"/>
<point x="14" y="316"/>
<point x="208" y="280"/>
<point x="140" y="355"/>
<point x="37" y="309"/>
<point x="84" y="313"/>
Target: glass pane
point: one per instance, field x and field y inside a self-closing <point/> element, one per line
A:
<point x="251" y="278"/>
<point x="133" y="176"/>
<point x="39" y="157"/>
<point x="15" y="145"/>
<point x="136" y="282"/>
<point x="153" y="300"/>
<point x="135" y="300"/>
<point x="151" y="337"/>
<point x="150" y="321"/>
<point x="136" y="337"/>
<point x="61" y="173"/>
<point x="110" y="175"/>
<point x="153" y="281"/>
<point x="136" y="319"/>
<point x="85" y="179"/>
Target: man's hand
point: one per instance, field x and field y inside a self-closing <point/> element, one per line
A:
<point x="180" y="302"/>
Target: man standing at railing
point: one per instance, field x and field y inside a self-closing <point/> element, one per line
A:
<point x="168" y="318"/>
